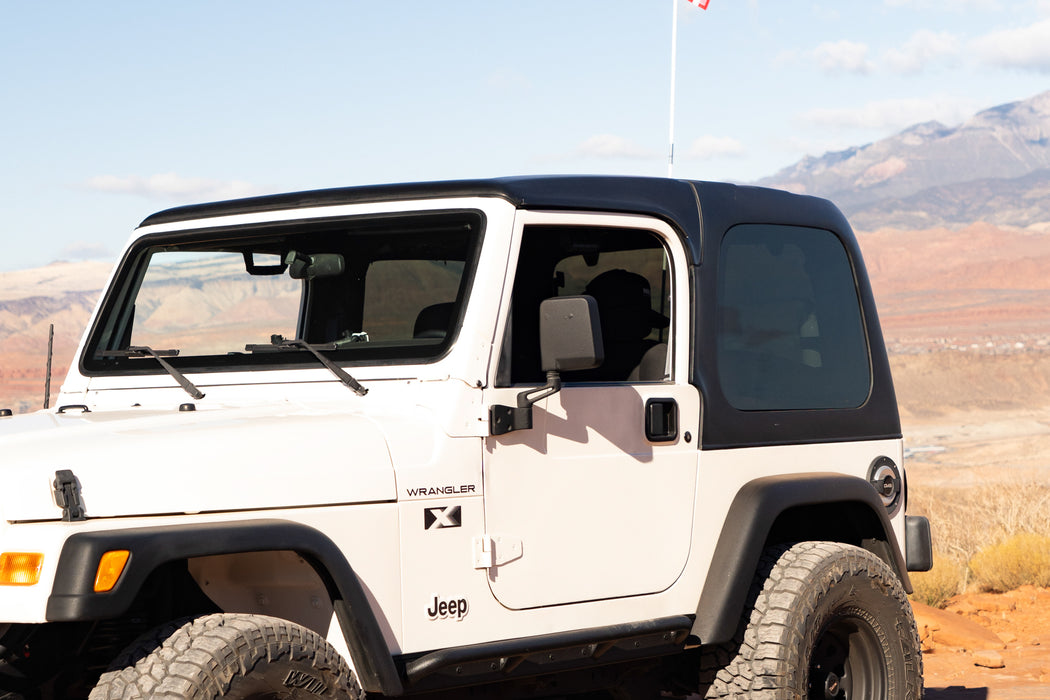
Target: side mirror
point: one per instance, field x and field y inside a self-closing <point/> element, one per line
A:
<point x="570" y="334"/>
<point x="570" y="339"/>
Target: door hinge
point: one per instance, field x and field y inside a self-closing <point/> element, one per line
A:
<point x="493" y="550"/>
<point x="67" y="496"/>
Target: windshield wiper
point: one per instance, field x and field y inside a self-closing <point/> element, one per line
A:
<point x="146" y="351"/>
<point x="280" y="343"/>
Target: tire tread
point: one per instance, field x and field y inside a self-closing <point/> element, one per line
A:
<point x="199" y="658"/>
<point x="761" y="656"/>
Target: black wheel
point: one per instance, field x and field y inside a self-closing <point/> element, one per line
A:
<point x="242" y="657"/>
<point x="824" y="621"/>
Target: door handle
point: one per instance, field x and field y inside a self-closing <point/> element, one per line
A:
<point x="661" y="420"/>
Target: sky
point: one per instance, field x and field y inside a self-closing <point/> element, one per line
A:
<point x="112" y="110"/>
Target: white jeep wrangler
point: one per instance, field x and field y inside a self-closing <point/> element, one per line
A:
<point x="505" y="438"/>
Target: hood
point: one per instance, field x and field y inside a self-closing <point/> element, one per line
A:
<point x="141" y="462"/>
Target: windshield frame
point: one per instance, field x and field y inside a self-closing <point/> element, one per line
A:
<point x="102" y="336"/>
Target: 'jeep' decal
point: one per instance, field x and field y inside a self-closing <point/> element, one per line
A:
<point x="455" y="609"/>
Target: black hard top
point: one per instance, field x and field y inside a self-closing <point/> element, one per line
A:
<point x="693" y="208"/>
<point x="689" y="205"/>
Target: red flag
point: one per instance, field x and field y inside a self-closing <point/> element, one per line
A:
<point x="702" y="4"/>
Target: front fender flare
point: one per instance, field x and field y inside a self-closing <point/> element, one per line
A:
<point x="73" y="596"/>
<point x="748" y="528"/>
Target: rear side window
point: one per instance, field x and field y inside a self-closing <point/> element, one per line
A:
<point x="790" y="332"/>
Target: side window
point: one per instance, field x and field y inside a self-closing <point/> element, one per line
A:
<point x="625" y="270"/>
<point x="790" y="332"/>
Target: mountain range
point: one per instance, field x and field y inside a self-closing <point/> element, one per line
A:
<point x="995" y="167"/>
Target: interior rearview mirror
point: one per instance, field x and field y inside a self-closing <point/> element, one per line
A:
<point x="302" y="266"/>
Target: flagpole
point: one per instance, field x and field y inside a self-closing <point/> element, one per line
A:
<point x="674" y="51"/>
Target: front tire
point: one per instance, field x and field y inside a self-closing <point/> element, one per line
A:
<point x="824" y="620"/>
<point x="242" y="657"/>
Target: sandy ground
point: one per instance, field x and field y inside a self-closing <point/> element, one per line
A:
<point x="971" y="449"/>
<point x="981" y="421"/>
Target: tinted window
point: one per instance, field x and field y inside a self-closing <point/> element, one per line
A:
<point x="790" y="332"/>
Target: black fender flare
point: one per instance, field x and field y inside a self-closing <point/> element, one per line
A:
<point x="748" y="528"/>
<point x="73" y="597"/>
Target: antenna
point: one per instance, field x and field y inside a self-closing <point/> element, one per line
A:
<point x="47" y="376"/>
<point x="674" y="61"/>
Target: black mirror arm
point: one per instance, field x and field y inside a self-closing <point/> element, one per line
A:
<point x="506" y="419"/>
<point x="553" y="386"/>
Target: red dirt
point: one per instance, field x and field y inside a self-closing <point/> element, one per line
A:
<point x="988" y="646"/>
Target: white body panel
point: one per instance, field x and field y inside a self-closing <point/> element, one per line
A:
<point x="145" y="462"/>
<point x="438" y="562"/>
<point x="590" y="498"/>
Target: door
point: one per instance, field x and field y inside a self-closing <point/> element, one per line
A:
<point x="595" y="501"/>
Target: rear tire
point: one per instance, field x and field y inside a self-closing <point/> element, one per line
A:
<point x="823" y="620"/>
<point x="242" y="657"/>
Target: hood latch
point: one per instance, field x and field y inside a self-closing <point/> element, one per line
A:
<point x="67" y="496"/>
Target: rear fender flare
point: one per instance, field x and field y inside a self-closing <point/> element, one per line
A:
<point x="750" y="526"/>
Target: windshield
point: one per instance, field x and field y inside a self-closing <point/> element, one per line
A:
<point x="372" y="291"/>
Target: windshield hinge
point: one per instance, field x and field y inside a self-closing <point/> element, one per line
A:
<point x="493" y="550"/>
<point x="67" y="496"/>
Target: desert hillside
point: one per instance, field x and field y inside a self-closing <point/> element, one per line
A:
<point x="981" y="284"/>
<point x="63" y="294"/>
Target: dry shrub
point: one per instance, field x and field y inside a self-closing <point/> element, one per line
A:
<point x="936" y="586"/>
<point x="966" y="520"/>
<point x="1023" y="559"/>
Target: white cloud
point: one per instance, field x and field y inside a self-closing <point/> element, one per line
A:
<point x="1025" y="47"/>
<point x="171" y="186"/>
<point x="611" y="146"/>
<point x="843" y="56"/>
<point x="923" y="47"/>
<point x="708" y="147"/>
<point x="892" y="114"/>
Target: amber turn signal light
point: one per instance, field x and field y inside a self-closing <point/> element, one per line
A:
<point x="20" y="568"/>
<point x="110" y="567"/>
